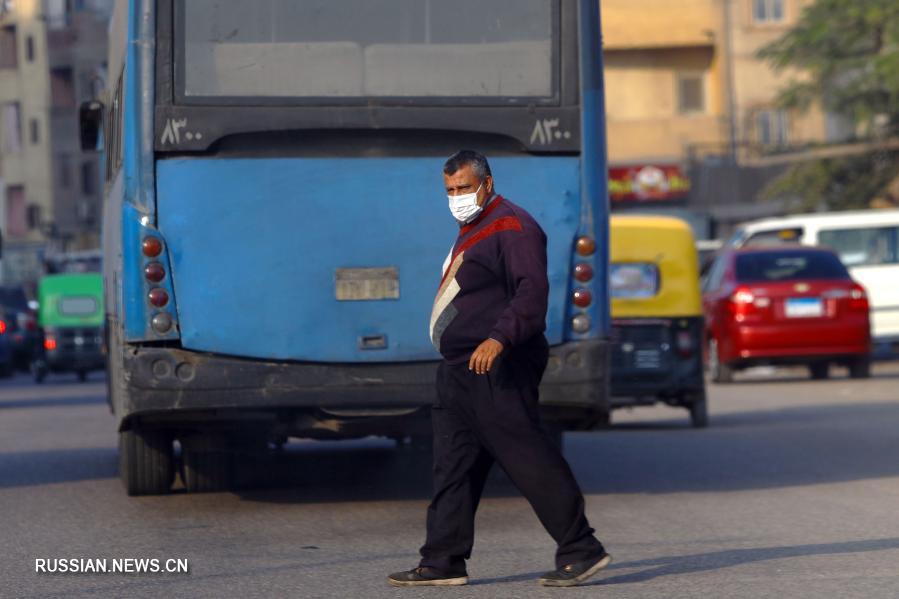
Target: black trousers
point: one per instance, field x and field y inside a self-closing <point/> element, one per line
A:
<point x="479" y="419"/>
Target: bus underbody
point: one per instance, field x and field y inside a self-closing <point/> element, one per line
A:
<point x="217" y="406"/>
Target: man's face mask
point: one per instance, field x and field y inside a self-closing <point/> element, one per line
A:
<point x="465" y="207"/>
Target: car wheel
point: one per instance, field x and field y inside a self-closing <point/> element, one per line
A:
<point x="698" y="406"/>
<point x="146" y="462"/>
<point x="819" y="370"/>
<point x="38" y="371"/>
<point x="860" y="368"/>
<point x="206" y="463"/>
<point x="718" y="370"/>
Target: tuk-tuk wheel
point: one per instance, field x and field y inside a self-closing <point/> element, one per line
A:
<point x="146" y="461"/>
<point x="719" y="371"/>
<point x="699" y="410"/>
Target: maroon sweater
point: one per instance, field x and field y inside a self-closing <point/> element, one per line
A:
<point x="495" y="284"/>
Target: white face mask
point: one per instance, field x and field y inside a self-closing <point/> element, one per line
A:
<point x="465" y="207"/>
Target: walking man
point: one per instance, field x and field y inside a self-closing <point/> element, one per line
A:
<point x="487" y="322"/>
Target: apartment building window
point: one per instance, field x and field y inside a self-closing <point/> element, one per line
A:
<point x="772" y="127"/>
<point x="34" y="130"/>
<point x="65" y="170"/>
<point x="767" y="11"/>
<point x="62" y="87"/>
<point x="88" y="178"/>
<point x="8" y="53"/>
<point x="16" y="217"/>
<point x="33" y="216"/>
<point x="690" y="93"/>
<point x="11" y="127"/>
<point x="29" y="48"/>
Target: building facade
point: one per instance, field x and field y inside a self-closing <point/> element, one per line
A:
<point x="52" y="55"/>
<point x="691" y="108"/>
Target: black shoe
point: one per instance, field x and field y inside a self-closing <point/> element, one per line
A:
<point x="425" y="577"/>
<point x="576" y="573"/>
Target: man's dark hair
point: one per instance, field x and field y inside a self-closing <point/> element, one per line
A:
<point x="477" y="162"/>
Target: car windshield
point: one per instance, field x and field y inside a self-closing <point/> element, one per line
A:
<point x="788" y="265"/>
<point x="77" y="306"/>
<point x="359" y="48"/>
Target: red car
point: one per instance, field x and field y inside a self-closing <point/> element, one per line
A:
<point x="784" y="305"/>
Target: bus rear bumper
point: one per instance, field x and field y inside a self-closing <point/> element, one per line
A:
<point x="163" y="379"/>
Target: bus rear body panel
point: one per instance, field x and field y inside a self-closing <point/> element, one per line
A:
<point x="256" y="246"/>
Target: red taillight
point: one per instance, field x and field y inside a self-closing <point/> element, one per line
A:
<point x="158" y="297"/>
<point x="2" y="326"/>
<point x="581" y="298"/>
<point x="49" y="343"/>
<point x="684" y="343"/>
<point x="858" y="299"/>
<point x="742" y="302"/>
<point x="583" y="272"/>
<point x="154" y="272"/>
<point x="152" y="246"/>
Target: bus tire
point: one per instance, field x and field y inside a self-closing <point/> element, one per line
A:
<point x="146" y="462"/>
<point x="699" y="410"/>
<point x="206" y="464"/>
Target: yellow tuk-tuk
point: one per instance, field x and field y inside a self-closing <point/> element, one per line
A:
<point x="657" y="321"/>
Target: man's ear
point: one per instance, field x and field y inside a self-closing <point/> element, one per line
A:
<point x="488" y="184"/>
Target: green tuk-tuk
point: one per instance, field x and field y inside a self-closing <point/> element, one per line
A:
<point x="70" y="319"/>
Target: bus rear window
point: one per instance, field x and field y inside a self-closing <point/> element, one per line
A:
<point x="362" y="49"/>
<point x="77" y="306"/>
<point x="785" y="266"/>
<point x="634" y="280"/>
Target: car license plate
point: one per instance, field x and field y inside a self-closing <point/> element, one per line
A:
<point x="804" y="307"/>
<point x="648" y="359"/>
<point x="360" y="284"/>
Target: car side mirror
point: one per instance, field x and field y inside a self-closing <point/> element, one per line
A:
<point x="90" y="117"/>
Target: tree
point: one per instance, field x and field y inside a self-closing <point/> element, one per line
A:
<point x="848" y="54"/>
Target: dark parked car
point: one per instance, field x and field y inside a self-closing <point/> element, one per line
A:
<point x="21" y="326"/>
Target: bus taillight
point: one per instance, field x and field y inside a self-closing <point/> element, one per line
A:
<point x="585" y="246"/>
<point x="580" y="323"/>
<point x="583" y="272"/>
<point x="152" y="246"/>
<point x="154" y="272"/>
<point x="49" y="344"/>
<point x="581" y="298"/>
<point x="162" y="322"/>
<point x="158" y="297"/>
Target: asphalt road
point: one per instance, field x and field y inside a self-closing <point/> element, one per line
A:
<point x="793" y="492"/>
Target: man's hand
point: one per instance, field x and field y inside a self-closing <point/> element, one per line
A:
<point x="483" y="357"/>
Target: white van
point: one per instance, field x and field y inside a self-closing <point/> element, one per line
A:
<point x="868" y="244"/>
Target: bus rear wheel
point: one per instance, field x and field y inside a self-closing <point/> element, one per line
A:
<point x="146" y="462"/>
<point x="206" y="464"/>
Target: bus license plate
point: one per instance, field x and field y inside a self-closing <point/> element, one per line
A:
<point x="361" y="284"/>
<point x="804" y="307"/>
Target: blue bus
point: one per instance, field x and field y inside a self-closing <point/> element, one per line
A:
<point x="274" y="220"/>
